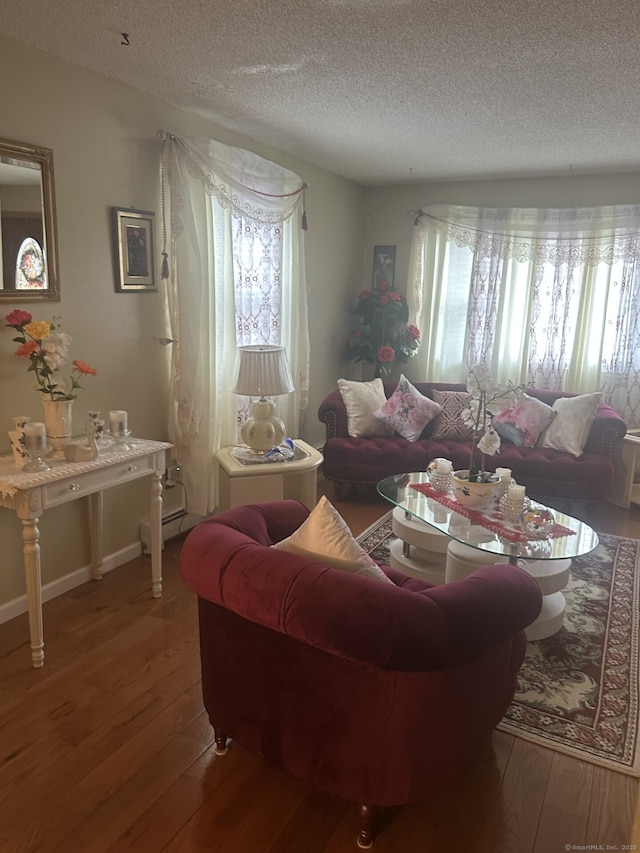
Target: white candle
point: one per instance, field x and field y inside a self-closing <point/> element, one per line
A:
<point x="444" y="466"/>
<point x="515" y="492"/>
<point x="35" y="437"/>
<point x="504" y="473"/>
<point x="118" y="422"/>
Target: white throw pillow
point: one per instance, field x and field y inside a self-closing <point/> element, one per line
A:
<point x="361" y="399"/>
<point x="570" y="428"/>
<point x="325" y="538"/>
<point x="407" y="411"/>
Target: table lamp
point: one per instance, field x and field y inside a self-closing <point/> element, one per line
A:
<point x="262" y="371"/>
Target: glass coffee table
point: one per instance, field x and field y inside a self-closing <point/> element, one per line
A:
<point x="442" y="545"/>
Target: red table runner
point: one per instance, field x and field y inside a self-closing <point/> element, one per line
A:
<point x="492" y="518"/>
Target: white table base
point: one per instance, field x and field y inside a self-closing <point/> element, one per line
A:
<point x="420" y="549"/>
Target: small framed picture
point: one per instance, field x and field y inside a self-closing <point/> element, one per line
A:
<point x="384" y="264"/>
<point x="134" y="250"/>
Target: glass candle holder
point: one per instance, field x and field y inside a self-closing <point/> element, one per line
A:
<point x="439" y="473"/>
<point x="513" y="508"/>
<point x="35" y="445"/>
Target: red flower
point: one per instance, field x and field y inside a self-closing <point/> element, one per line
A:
<point x="83" y="367"/>
<point x="366" y="294"/>
<point x="18" y="318"/>
<point x="386" y="355"/>
<point x="26" y="349"/>
<point x="383" y="284"/>
<point x="384" y="298"/>
<point x="414" y="333"/>
<point x="393" y="294"/>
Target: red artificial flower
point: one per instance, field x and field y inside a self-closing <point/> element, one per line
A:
<point x="27" y="349"/>
<point x="18" y="318"/>
<point x="393" y="294"/>
<point x="384" y="299"/>
<point x="386" y="355"/>
<point x="383" y="285"/>
<point x="414" y="332"/>
<point x="83" y="367"/>
<point x="365" y="294"/>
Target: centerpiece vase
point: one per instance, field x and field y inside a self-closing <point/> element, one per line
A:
<point x="475" y="495"/>
<point x="57" y="419"/>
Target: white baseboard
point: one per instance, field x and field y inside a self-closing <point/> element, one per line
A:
<point x="11" y="609"/>
<point x="172" y="524"/>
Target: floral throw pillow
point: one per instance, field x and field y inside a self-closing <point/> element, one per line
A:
<point x="407" y="411"/>
<point x="523" y="423"/>
<point x="449" y="423"/>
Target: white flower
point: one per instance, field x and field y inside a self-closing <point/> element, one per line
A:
<point x="480" y="379"/>
<point x="470" y="412"/>
<point x="56" y="349"/>
<point x="490" y="442"/>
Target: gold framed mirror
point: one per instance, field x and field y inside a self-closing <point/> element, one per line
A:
<point x="28" y="228"/>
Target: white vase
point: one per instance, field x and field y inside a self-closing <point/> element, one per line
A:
<point x="57" y="419"/>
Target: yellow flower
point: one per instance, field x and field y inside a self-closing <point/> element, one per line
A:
<point x="38" y="329"/>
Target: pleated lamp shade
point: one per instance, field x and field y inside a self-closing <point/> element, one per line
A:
<point x="262" y="371"/>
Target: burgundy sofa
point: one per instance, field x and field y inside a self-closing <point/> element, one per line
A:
<point x="374" y="692"/>
<point x="547" y="474"/>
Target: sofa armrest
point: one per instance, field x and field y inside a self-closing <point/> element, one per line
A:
<point x="333" y="414"/>
<point x="487" y="607"/>
<point x="607" y="431"/>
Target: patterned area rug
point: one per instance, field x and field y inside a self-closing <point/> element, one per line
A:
<point x="578" y="690"/>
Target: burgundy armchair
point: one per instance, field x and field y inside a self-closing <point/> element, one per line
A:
<point x="373" y="692"/>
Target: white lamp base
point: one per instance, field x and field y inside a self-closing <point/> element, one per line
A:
<point x="263" y="430"/>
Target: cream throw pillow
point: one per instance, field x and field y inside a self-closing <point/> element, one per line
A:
<point x="570" y="428"/>
<point x="361" y="400"/>
<point x="325" y="538"/>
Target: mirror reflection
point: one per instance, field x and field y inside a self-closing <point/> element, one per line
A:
<point x="28" y="257"/>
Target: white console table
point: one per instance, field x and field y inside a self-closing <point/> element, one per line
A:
<point x="30" y="494"/>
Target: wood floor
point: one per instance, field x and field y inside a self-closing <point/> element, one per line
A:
<point x="107" y="748"/>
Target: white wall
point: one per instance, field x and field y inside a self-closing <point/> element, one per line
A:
<point x="106" y="153"/>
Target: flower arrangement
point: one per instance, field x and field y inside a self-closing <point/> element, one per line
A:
<point x="383" y="336"/>
<point x="485" y="401"/>
<point x="46" y="347"/>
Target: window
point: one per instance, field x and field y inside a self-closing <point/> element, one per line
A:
<point x="547" y="297"/>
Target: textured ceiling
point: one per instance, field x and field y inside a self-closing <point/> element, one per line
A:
<point x="380" y="91"/>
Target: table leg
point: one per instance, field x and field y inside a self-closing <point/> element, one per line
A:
<point x="31" y="553"/>
<point x="155" y="524"/>
<point x="97" y="549"/>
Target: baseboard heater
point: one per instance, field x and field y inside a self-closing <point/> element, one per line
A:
<point x="173" y="524"/>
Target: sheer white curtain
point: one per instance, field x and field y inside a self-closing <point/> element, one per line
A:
<point x="236" y="275"/>
<point x="545" y="296"/>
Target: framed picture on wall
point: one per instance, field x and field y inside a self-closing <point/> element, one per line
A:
<point x="384" y="264"/>
<point x="134" y="250"/>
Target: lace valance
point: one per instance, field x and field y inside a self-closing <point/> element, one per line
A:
<point x="239" y="179"/>
<point x="561" y="236"/>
